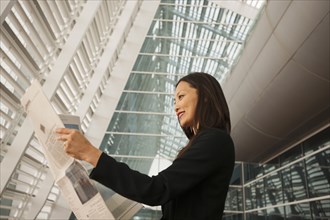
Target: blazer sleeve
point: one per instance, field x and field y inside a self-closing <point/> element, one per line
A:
<point x="211" y="151"/>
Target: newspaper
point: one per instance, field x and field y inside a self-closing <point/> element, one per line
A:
<point x="72" y="178"/>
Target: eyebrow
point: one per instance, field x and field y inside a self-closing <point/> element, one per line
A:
<point x="177" y="93"/>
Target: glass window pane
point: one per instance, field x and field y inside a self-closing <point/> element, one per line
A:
<point x="145" y="123"/>
<point x="236" y="178"/>
<point x="275" y="213"/>
<point x="254" y="195"/>
<point x="252" y="171"/>
<point x="294" y="183"/>
<point x="318" y="174"/>
<point x="152" y="82"/>
<point x="234" y="200"/>
<point x="320" y="209"/>
<point x="142" y="102"/>
<point x="260" y="215"/>
<point x="318" y="141"/>
<point x="273" y="192"/>
<point x="298" y="211"/>
<point x="232" y="216"/>
<point x="291" y="155"/>
<point x="147" y="213"/>
<point x="142" y="145"/>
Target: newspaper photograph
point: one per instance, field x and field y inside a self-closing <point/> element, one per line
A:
<point x="69" y="174"/>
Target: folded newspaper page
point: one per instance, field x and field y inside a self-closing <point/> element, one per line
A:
<point x="72" y="178"/>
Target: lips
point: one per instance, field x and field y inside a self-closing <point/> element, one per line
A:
<point x="179" y="115"/>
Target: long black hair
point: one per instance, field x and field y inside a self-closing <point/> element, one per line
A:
<point x="211" y="111"/>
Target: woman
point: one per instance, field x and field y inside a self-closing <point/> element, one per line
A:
<point x="196" y="184"/>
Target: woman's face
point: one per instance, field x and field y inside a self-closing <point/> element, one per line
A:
<point x="185" y="103"/>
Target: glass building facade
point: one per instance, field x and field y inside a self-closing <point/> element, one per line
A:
<point x="294" y="185"/>
<point x="185" y="36"/>
<point x="65" y="42"/>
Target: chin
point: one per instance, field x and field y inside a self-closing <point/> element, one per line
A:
<point x="184" y="125"/>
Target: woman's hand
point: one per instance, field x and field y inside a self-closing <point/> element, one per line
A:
<point x="77" y="146"/>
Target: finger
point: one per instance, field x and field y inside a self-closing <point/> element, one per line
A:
<point x="63" y="138"/>
<point x="66" y="148"/>
<point x="63" y="131"/>
<point x="65" y="145"/>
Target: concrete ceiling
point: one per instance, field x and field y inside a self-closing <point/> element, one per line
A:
<point x="279" y="91"/>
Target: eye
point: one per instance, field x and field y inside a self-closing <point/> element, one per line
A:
<point x="179" y="98"/>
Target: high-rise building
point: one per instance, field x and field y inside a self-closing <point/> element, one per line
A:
<point x="115" y="63"/>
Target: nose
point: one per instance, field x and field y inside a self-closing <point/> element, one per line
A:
<point x="176" y="108"/>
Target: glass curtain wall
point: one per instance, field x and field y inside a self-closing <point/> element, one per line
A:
<point x="185" y="36"/>
<point x="294" y="185"/>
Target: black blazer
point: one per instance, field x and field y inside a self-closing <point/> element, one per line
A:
<point x="193" y="187"/>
